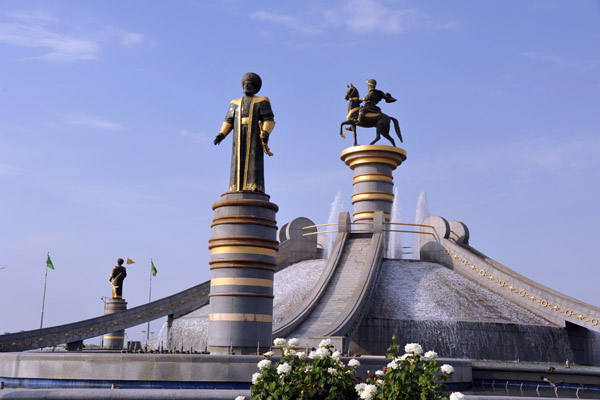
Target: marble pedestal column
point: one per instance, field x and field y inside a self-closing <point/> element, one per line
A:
<point x="243" y="251"/>
<point x="116" y="339"/>
<point x="373" y="180"/>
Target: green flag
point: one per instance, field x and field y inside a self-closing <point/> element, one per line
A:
<point x="153" y="268"/>
<point x="49" y="263"/>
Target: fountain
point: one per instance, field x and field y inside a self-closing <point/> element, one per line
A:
<point x="394" y="248"/>
<point x="422" y="208"/>
<point x="334" y="210"/>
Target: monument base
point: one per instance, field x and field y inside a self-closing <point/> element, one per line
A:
<point x="115" y="339"/>
<point x="243" y="251"/>
<point x="373" y="180"/>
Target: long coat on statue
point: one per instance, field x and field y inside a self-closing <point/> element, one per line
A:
<point x="248" y="117"/>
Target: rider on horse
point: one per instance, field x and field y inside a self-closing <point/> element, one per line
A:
<point x="371" y="99"/>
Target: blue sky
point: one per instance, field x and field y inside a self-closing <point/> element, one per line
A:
<point x="108" y="111"/>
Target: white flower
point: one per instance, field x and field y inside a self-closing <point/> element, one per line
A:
<point x="264" y="364"/>
<point x="447" y="369"/>
<point x="413" y="348"/>
<point x="312" y="355"/>
<point x="379" y="373"/>
<point x="431" y="355"/>
<point x="321" y="352"/>
<point x="284" y="369"/>
<point x="289" y="352"/>
<point x="308" y="368"/>
<point x="240" y="398"/>
<point x="366" y="392"/>
<point x="325" y="343"/>
<point x="255" y="377"/>
<point x="332" y="371"/>
<point x="336" y="355"/>
<point x="279" y="342"/>
<point x="268" y="354"/>
<point x="403" y="357"/>
<point x="393" y="365"/>
<point x="293" y="342"/>
<point x="457" y="396"/>
<point x="354" y="363"/>
<point x="360" y="387"/>
<point x="301" y="355"/>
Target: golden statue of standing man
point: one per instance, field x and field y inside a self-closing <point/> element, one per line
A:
<point x="116" y="279"/>
<point x="251" y="119"/>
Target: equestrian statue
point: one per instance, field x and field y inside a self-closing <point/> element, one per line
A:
<point x="369" y="115"/>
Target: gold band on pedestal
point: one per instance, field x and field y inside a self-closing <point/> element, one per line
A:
<point x="375" y="177"/>
<point x="238" y="317"/>
<point x="243" y="250"/>
<point x="359" y="216"/>
<point x="241" y="282"/>
<point x="370" y="196"/>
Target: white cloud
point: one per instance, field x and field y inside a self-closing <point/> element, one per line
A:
<point x="376" y="16"/>
<point x="561" y="62"/>
<point x="196" y="137"/>
<point x="289" y="21"/>
<point x="60" y="47"/>
<point x="92" y="122"/>
<point x="9" y="170"/>
<point x="42" y="30"/>
<point x="361" y="16"/>
<point x="130" y="39"/>
<point x="34" y="16"/>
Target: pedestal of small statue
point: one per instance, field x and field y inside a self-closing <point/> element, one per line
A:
<point x="116" y="339"/>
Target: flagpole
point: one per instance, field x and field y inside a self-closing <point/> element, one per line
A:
<point x="149" y="300"/>
<point x="44" y="296"/>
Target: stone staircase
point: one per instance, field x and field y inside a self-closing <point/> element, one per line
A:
<point x="340" y="289"/>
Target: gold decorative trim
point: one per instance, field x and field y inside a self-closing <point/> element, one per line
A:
<point x="242" y="263"/>
<point x="234" y="317"/>
<point x="245" y="294"/>
<point x="368" y="196"/>
<point x="267" y="267"/>
<point x="252" y="241"/>
<point x="113" y="337"/>
<point x="245" y="203"/>
<point x="373" y="147"/>
<point x="248" y="144"/>
<point x="260" y="99"/>
<point x="373" y="178"/>
<point x="241" y="282"/>
<point x="353" y="110"/>
<point x="522" y="292"/>
<point x="373" y="160"/>
<point x="244" y="219"/>
<point x="226" y="128"/>
<point x="268" y="126"/>
<point x="243" y="250"/>
<point x="359" y="216"/>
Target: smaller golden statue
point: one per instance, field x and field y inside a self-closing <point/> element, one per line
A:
<point x="116" y="279"/>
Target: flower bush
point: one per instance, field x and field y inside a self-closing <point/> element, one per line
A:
<point x="321" y="375"/>
<point x="410" y="376"/>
